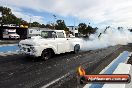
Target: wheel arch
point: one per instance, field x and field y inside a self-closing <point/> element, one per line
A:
<point x="52" y="50"/>
<point x="77" y="45"/>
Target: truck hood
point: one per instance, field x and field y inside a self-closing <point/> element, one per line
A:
<point x="36" y="41"/>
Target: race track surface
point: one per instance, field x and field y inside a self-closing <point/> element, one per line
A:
<point x="18" y="71"/>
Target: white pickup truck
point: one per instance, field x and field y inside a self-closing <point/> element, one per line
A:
<point x="50" y="42"/>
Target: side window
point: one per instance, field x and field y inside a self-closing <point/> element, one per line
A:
<point x="60" y="34"/>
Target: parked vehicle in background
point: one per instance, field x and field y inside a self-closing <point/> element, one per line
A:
<point x="49" y="43"/>
<point x="10" y="34"/>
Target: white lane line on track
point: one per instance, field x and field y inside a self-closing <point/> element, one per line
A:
<point x="2" y="54"/>
<point x="54" y="81"/>
<point x="8" y="45"/>
<point x="8" y="53"/>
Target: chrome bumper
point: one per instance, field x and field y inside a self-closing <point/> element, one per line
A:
<point x="27" y="53"/>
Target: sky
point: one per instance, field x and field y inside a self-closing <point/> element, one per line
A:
<point x="99" y="13"/>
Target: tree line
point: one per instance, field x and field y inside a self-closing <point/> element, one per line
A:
<point x="86" y="30"/>
<point x="9" y="18"/>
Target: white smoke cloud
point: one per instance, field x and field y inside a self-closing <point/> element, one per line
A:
<point x="111" y="37"/>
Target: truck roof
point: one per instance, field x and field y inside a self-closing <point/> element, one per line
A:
<point x="59" y="30"/>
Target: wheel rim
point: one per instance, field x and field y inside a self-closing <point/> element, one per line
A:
<point x="46" y="55"/>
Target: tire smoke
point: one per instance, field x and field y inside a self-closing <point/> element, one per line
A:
<point x="111" y="37"/>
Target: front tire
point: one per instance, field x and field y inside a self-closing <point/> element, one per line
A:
<point x="46" y="54"/>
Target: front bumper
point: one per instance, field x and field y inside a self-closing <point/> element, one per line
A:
<point x="27" y="53"/>
<point x="28" y="50"/>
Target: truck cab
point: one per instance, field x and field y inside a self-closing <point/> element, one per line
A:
<point x="50" y="42"/>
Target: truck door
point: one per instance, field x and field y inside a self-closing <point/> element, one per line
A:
<point x="62" y="43"/>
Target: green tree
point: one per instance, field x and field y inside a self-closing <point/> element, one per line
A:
<point x="18" y="21"/>
<point x="82" y="28"/>
<point x="42" y="26"/>
<point x="8" y="17"/>
<point x="60" y="25"/>
<point x="24" y="22"/>
<point x="35" y="24"/>
<point x="49" y="26"/>
<point x="90" y="30"/>
<point x="5" y="14"/>
<point x="86" y="30"/>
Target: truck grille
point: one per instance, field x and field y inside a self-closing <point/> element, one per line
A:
<point x="26" y="49"/>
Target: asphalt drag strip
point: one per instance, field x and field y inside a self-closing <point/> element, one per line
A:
<point x="91" y="68"/>
<point x="18" y="71"/>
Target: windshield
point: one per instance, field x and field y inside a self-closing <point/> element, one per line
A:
<point x="47" y="34"/>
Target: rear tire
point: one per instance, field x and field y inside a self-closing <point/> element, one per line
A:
<point x="46" y="54"/>
<point x="76" y="48"/>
